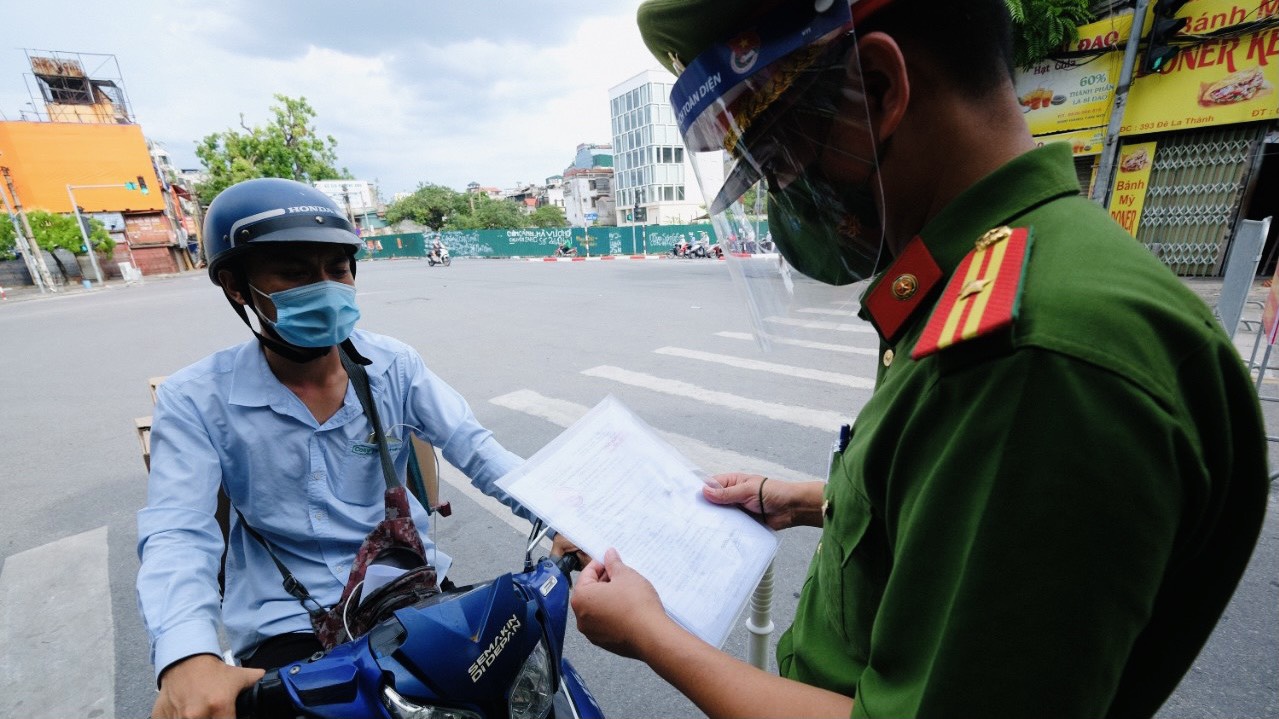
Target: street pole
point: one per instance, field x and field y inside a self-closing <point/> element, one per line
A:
<point x="25" y="248"/>
<point x="760" y="622"/>
<point x="33" y="247"/>
<point x="88" y="245"/>
<point x="1109" y="153"/>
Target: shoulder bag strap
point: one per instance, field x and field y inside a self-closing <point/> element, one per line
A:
<point x="360" y="379"/>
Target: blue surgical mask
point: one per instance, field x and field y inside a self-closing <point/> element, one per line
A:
<point x="316" y="315"/>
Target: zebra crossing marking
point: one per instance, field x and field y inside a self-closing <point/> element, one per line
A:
<point x="843" y="380"/>
<point x="803" y="416"/>
<point x="860" y="327"/>
<point x="824" y="346"/>
<point x="824" y="311"/>
<point x="57" y="637"/>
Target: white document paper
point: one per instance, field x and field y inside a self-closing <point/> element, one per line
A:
<point x="610" y="481"/>
<point x="377" y="576"/>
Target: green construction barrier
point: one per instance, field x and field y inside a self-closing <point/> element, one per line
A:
<point x="541" y="241"/>
<point x="385" y="247"/>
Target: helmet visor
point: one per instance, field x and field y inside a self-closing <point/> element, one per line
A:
<point x="794" y="125"/>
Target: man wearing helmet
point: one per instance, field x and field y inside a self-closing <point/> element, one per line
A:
<point x="276" y="424"/>
<point x="1046" y="504"/>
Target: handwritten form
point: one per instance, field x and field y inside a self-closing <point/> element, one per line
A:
<point x="610" y="481"/>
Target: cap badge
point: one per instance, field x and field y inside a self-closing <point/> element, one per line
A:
<point x="745" y="49"/>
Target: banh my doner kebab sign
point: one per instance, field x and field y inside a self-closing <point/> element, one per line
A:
<point x="1214" y="82"/>
<point x="1217" y="82"/>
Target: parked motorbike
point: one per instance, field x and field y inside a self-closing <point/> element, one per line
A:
<point x="442" y="258"/>
<point x="486" y="650"/>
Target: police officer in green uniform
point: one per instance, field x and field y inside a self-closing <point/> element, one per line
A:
<point x="1058" y="481"/>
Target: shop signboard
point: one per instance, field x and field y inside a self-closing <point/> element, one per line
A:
<point x="1222" y="81"/>
<point x="1128" y="197"/>
<point x="1083" y="143"/>
<point x="1075" y="94"/>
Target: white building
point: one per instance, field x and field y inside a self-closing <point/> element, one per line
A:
<point x="588" y="196"/>
<point x="652" y="169"/>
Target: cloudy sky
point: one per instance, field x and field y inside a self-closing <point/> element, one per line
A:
<point x="493" y="91"/>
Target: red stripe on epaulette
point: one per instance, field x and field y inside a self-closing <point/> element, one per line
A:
<point x="982" y="296"/>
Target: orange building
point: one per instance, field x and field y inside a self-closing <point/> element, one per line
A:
<point x="43" y="158"/>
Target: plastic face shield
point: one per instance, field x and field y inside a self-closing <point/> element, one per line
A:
<point x="783" y="109"/>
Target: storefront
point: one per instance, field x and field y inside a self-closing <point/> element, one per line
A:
<point x="1193" y="138"/>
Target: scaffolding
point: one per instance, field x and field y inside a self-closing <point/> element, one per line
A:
<point x="75" y="87"/>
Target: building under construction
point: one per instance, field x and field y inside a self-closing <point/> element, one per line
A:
<point x="78" y="146"/>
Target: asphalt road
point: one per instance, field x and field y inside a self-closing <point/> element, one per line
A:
<point x="532" y="346"/>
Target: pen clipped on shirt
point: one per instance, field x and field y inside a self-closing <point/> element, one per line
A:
<point x="839" y="445"/>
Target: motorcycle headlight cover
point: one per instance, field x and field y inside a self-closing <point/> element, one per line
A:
<point x="534" y="688"/>
<point x="782" y="107"/>
<point x="400" y="708"/>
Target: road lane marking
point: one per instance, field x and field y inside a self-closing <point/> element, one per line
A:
<point x="824" y="311"/>
<point x="843" y="380"/>
<point x="802" y="416"/>
<point x="825" y="346"/>
<point x="57" y="638"/>
<point x="563" y="413"/>
<point x="822" y="325"/>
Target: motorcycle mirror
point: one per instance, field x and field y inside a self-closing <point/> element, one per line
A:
<point x="535" y="536"/>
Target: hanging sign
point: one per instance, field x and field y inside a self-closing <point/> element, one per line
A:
<point x="1128" y="197"/>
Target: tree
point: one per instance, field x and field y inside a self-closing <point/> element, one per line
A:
<point x="1042" y="27"/>
<point x="487" y="213"/>
<point x="287" y="147"/>
<point x="429" y="205"/>
<point x="548" y="216"/>
<point x="53" y="231"/>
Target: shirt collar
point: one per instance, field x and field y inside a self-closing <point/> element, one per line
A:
<point x="1021" y="185"/>
<point x="253" y="384"/>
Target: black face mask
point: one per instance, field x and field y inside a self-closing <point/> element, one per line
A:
<point x="831" y="233"/>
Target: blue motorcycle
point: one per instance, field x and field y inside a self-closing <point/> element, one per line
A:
<point x="477" y="652"/>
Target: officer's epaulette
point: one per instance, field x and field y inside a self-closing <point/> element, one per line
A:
<point x="984" y="294"/>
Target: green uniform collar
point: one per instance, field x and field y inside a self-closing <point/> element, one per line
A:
<point x="1021" y="185"/>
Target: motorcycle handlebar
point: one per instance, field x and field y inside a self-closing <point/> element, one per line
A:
<point x="567" y="564"/>
<point x="266" y="698"/>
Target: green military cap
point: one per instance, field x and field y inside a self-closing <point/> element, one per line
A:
<point x="677" y="31"/>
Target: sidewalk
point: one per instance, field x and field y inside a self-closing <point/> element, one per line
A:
<point x="10" y="295"/>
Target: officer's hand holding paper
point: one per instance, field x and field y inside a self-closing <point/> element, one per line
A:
<point x="610" y="482"/>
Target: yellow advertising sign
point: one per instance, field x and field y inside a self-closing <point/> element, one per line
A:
<point x="1219" y="82"/>
<point x="1063" y="95"/>
<point x="1082" y="142"/>
<point x="1128" y="197"/>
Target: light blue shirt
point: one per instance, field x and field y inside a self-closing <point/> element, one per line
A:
<point x="313" y="491"/>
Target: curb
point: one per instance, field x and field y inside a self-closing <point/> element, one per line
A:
<point x="609" y="258"/>
<point x="604" y="258"/>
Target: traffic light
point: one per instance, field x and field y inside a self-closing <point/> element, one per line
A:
<point x="84" y="222"/>
<point x="141" y="184"/>
<point x="1158" y="50"/>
